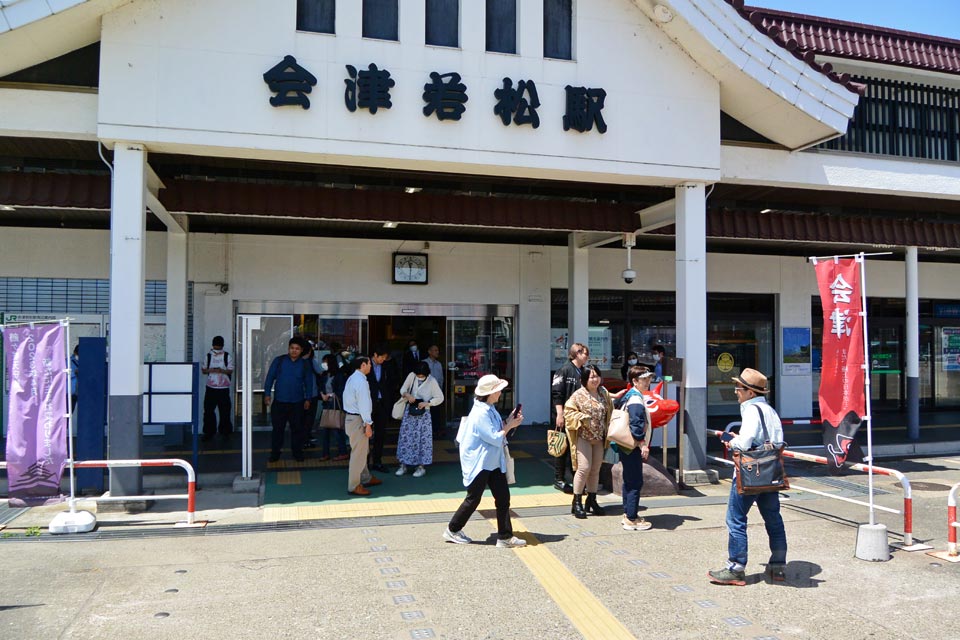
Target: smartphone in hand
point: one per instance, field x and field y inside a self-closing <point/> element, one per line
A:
<point x="516" y="411"/>
<point x="727" y="436"/>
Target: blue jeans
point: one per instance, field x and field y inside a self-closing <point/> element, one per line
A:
<point x="769" y="506"/>
<point x="632" y="464"/>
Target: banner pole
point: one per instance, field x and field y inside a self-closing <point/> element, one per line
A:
<point x="861" y="258"/>
<point x="66" y="347"/>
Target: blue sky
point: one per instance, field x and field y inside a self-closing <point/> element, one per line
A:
<point x="934" y="17"/>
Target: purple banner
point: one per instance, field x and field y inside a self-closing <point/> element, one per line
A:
<point x="36" y="413"/>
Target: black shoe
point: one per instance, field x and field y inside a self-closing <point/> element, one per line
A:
<point x="577" y="508"/>
<point x="559" y="485"/>
<point x="379" y="467"/>
<point x="592" y="506"/>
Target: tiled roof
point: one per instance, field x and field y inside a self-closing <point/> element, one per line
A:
<point x="808" y="36"/>
<point x="762" y="20"/>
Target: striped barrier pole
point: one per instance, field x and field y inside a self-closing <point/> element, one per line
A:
<point x="904" y="482"/>
<point x="190" y="496"/>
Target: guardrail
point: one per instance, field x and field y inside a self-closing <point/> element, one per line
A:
<point x="190" y="496"/>
<point x="904" y="484"/>
<point x="952" y="554"/>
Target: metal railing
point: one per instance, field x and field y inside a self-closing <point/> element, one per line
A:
<point x="907" y="510"/>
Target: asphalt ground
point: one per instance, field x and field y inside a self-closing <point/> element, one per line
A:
<point x="380" y="569"/>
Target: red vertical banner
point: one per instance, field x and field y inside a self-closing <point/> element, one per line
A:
<point x="842" y="401"/>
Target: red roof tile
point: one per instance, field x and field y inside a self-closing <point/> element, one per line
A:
<point x="811" y="35"/>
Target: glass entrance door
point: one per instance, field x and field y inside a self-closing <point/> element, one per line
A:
<point x="886" y="388"/>
<point x="476" y="347"/>
<point x="268" y="336"/>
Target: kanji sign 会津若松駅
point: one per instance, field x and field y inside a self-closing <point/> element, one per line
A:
<point x="444" y="96"/>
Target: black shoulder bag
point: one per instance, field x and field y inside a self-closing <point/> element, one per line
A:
<point x="761" y="470"/>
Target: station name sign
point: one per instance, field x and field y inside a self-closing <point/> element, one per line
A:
<point x="444" y="96"/>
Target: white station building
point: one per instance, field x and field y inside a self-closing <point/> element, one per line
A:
<point x="484" y="176"/>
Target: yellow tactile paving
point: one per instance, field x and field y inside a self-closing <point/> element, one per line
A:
<point x="581" y="607"/>
<point x="360" y="508"/>
<point x="288" y="477"/>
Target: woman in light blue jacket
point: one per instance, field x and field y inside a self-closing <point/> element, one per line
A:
<point x="484" y="463"/>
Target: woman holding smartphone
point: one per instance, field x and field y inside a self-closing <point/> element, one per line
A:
<point x="484" y="462"/>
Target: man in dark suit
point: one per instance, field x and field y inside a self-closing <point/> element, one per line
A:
<point x="384" y="382"/>
<point x="410" y="358"/>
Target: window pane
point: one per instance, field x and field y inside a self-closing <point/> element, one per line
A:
<point x="557" y="29"/>
<point x="443" y="21"/>
<point x="502" y="26"/>
<point x="316" y="15"/>
<point x="380" y="19"/>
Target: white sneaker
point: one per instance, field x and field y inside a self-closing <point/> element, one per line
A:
<point x="635" y="525"/>
<point x="420" y="472"/>
<point x="512" y="542"/>
<point x="402" y="470"/>
<point x="456" y="537"/>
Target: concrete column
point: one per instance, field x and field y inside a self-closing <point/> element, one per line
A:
<point x="176" y="296"/>
<point x="578" y="291"/>
<point x="127" y="251"/>
<point x="794" y="392"/>
<point x="912" y="368"/>
<point x="533" y="331"/>
<point x="691" y="216"/>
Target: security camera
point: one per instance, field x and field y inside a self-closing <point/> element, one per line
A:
<point x="224" y="287"/>
<point x="629" y="242"/>
<point x="629" y="275"/>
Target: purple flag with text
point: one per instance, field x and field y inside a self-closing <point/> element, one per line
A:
<point x="36" y="360"/>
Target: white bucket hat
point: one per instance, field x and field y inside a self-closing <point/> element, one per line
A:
<point x="489" y="384"/>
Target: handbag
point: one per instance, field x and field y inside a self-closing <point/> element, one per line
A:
<point x="398" y="407"/>
<point x="618" y="431"/>
<point x="511" y="471"/>
<point x="556" y="442"/>
<point x="761" y="470"/>
<point x="333" y="418"/>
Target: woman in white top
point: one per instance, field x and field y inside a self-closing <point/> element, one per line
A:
<point x="415" y="446"/>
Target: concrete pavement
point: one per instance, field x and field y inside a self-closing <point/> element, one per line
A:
<point x="392" y="576"/>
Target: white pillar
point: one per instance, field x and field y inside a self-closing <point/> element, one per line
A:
<point x="533" y="330"/>
<point x="127" y="251"/>
<point x="578" y="291"/>
<point x="913" y="343"/>
<point x="794" y="392"/>
<point x="176" y="296"/>
<point x="691" y="216"/>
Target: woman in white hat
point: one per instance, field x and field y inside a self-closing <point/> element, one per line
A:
<point x="484" y="463"/>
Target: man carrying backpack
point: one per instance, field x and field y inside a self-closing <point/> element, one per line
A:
<point x="218" y="369"/>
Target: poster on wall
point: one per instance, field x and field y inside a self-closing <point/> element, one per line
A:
<point x="950" y="348"/>
<point x="796" y="351"/>
<point x="599" y="340"/>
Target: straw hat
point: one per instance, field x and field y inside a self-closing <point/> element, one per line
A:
<point x="753" y="380"/>
<point x="489" y="384"/>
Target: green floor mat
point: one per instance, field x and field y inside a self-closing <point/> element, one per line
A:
<point x="329" y="486"/>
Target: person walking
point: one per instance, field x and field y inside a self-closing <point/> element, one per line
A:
<point x="565" y="381"/>
<point x="358" y="406"/>
<point x="484" y="463"/>
<point x="587" y="414"/>
<point x="632" y="461"/>
<point x="415" y="445"/>
<point x="759" y="423"/>
<point x="294" y="381"/>
<point x="216" y="395"/>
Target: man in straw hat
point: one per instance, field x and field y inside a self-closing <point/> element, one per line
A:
<point x="756" y="418"/>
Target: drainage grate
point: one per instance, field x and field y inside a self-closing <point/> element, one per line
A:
<point x="846" y="485"/>
<point x="9" y="515"/>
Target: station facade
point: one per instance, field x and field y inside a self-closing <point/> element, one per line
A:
<point x="499" y="178"/>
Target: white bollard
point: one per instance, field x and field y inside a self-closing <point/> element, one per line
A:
<point x="872" y="543"/>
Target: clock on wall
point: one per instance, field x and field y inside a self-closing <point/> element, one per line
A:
<point x="409" y="268"/>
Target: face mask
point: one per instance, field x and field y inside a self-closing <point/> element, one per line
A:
<point x="413" y="348"/>
<point x="419" y="379"/>
<point x="656" y="357"/>
<point x="632" y="361"/>
<point x="324" y="366"/>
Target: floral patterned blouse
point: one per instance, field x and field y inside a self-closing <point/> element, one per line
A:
<point x="597" y="412"/>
